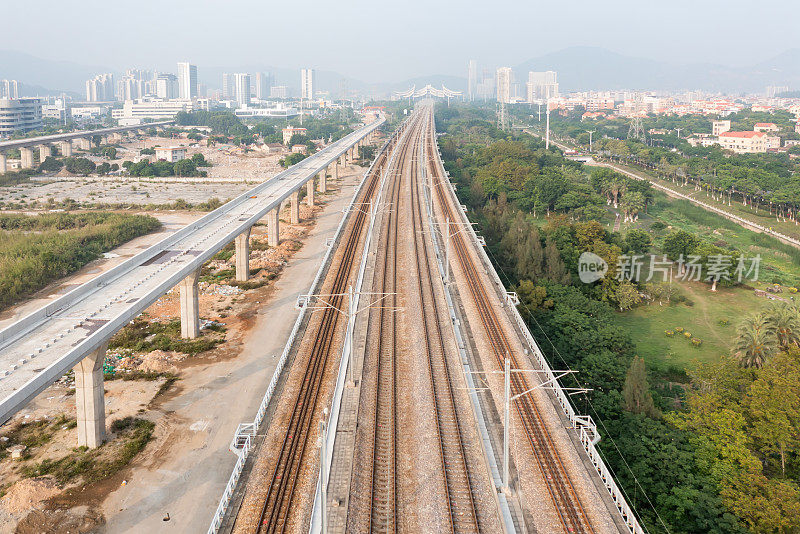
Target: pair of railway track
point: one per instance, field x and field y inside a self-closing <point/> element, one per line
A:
<point x="283" y="479"/>
<point x="461" y="512"/>
<point x="560" y="487"/>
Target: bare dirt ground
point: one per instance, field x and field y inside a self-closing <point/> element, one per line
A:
<point x="233" y="172"/>
<point x="183" y="469"/>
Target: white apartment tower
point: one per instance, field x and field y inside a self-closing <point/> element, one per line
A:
<point x="241" y="82"/>
<point x="263" y="83"/>
<point x="542" y="85"/>
<point x="9" y="89"/>
<point x="100" y="88"/>
<point x="472" y="79"/>
<point x="307" y="84"/>
<point x="505" y="77"/>
<point x="187" y="81"/>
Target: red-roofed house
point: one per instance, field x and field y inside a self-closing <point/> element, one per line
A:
<point x="748" y="142"/>
<point x="594" y="115"/>
<point x="765" y="127"/>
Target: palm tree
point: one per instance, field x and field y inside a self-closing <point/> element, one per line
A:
<point x="785" y="319"/>
<point x="632" y="204"/>
<point x="756" y="341"/>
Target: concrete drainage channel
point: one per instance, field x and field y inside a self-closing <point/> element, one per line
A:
<point x="244" y="440"/>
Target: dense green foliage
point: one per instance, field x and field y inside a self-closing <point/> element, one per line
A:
<point x="772" y="178"/>
<point x="501" y="179"/>
<point x="184" y="167"/>
<point x="35" y="250"/>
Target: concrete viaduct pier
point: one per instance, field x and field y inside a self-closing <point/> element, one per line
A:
<point x="72" y="331"/>
<point x="64" y="142"/>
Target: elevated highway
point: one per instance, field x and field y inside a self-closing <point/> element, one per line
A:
<point x="73" y="330"/>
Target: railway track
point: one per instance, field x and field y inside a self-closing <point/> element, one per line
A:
<point x="461" y="509"/>
<point x="383" y="485"/>
<point x="567" y="504"/>
<point x="283" y="480"/>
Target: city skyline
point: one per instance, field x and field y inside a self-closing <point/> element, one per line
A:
<point x="624" y="26"/>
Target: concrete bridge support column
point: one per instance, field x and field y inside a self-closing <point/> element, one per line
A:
<point x="190" y="306"/>
<point x="104" y="140"/>
<point x="66" y="148"/>
<point x="26" y="154"/>
<point x="3" y="164"/>
<point x="44" y="151"/>
<point x="86" y="143"/>
<point x="323" y="181"/>
<point x="90" y="400"/>
<point x="310" y="192"/>
<point x="242" y="245"/>
<point x="273" y="233"/>
<point x="294" y="208"/>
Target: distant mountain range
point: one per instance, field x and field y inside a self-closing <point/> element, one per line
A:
<point x="579" y="69"/>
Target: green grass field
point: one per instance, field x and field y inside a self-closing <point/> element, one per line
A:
<point x="703" y="319"/>
<point x="780" y="261"/>
<point x="761" y="216"/>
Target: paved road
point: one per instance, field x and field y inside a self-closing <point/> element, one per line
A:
<point x="188" y="479"/>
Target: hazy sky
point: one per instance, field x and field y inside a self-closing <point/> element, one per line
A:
<point x="391" y="41"/>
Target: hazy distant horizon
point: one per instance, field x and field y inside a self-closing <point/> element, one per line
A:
<point x="396" y="42"/>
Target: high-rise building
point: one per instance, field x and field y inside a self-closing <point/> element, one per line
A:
<point x="307" y="84"/>
<point x="167" y="86"/>
<point x="9" y="89"/>
<point x="241" y="82"/>
<point x="100" y="88"/>
<point x="20" y="115"/>
<point x="505" y="77"/>
<point x="187" y="81"/>
<point x="774" y="90"/>
<point x="472" y="79"/>
<point x="264" y="82"/>
<point x="279" y="91"/>
<point x="542" y="85"/>
<point x="228" y="86"/>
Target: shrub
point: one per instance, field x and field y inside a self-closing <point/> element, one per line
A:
<point x="687" y="335"/>
<point x="697" y="342"/>
<point x="669" y="333"/>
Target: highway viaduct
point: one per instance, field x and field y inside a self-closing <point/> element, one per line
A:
<point x="72" y="332"/>
<point x="64" y="142"/>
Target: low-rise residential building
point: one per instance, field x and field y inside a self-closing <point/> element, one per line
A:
<point x="171" y="154"/>
<point x="719" y="127"/>
<point x="701" y="139"/>
<point x="290" y="131"/>
<point x="20" y="115"/>
<point x="748" y="142"/>
<point x="765" y="127"/>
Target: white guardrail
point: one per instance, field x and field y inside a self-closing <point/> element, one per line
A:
<point x="585" y="426"/>
<point x="242" y="442"/>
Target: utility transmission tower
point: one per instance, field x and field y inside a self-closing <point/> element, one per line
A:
<point x="636" y="129"/>
<point x="502" y="119"/>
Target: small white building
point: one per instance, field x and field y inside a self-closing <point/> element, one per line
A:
<point x="171" y="154"/>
